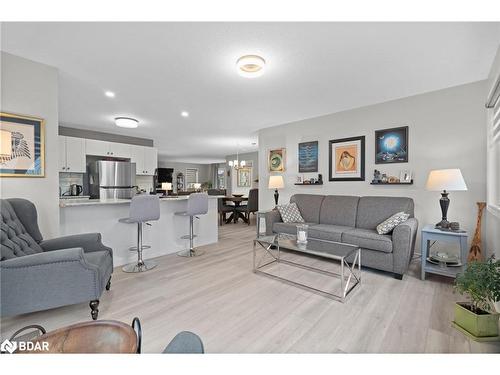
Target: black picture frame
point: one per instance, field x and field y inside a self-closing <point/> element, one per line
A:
<point x="361" y="177"/>
<point x="383" y="157"/>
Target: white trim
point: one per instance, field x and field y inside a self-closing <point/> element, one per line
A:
<point x="494" y="210"/>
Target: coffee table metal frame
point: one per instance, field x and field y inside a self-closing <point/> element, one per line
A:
<point x="270" y="243"/>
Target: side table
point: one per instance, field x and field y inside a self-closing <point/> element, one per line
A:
<point x="429" y="233"/>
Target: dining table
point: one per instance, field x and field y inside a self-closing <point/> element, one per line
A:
<point x="235" y="215"/>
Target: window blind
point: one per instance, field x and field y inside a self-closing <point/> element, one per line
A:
<point x="191" y="176"/>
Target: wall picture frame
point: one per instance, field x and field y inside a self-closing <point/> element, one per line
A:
<point x="22" y="146"/>
<point x="244" y="177"/>
<point x="347" y="159"/>
<point x="391" y="145"/>
<point x="308" y="157"/>
<point x="277" y="160"/>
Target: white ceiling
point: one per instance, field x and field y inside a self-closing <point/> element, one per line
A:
<point x="158" y="70"/>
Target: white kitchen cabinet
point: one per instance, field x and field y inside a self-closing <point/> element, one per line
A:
<point x="71" y="154"/>
<point x="103" y="148"/>
<point x="145" y="159"/>
<point x="97" y="148"/>
<point x="119" y="150"/>
<point x="150" y="160"/>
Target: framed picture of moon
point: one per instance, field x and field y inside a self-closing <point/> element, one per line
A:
<point x="21" y="146"/>
<point x="347" y="159"/>
<point x="391" y="145"/>
<point x="277" y="160"/>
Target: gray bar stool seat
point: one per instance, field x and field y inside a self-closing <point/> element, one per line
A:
<point x="143" y="208"/>
<point x="197" y="205"/>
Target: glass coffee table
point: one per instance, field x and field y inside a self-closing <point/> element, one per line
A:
<point x="271" y="254"/>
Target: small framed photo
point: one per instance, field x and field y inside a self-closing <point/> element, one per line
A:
<point x="299" y="179"/>
<point x="405" y="177"/>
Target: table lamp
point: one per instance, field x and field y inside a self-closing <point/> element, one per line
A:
<point x="276" y="182"/>
<point x="445" y="180"/>
<point x="167" y="186"/>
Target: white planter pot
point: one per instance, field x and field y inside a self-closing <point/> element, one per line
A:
<point x="497" y="306"/>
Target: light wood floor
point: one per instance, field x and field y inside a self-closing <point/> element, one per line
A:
<point x="234" y="310"/>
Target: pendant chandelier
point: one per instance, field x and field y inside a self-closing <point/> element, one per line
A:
<point x="236" y="163"/>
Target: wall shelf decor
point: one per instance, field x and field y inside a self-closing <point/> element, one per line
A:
<point x="392" y="183"/>
<point x="302" y="184"/>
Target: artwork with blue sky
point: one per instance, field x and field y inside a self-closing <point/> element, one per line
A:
<point x="391" y="145"/>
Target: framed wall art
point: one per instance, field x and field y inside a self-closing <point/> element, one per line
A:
<point x="347" y="159"/>
<point x="391" y="145"/>
<point x="277" y="160"/>
<point x="244" y="177"/>
<point x="308" y="157"/>
<point x="22" y="146"/>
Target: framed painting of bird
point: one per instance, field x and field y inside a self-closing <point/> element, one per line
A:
<point x="22" y="146"/>
<point x="347" y="159"/>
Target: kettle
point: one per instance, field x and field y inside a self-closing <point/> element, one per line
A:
<point x="75" y="189"/>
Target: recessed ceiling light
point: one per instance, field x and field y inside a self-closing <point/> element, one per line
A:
<point x="126" y="122"/>
<point x="109" y="94"/>
<point x="250" y="66"/>
<point x="184" y="114"/>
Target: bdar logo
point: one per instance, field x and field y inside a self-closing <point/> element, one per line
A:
<point x="8" y="346"/>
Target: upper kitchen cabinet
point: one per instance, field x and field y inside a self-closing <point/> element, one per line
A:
<point x="145" y="159"/>
<point x="71" y="154"/>
<point x="102" y="148"/>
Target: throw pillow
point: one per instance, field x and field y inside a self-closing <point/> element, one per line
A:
<point x="389" y="224"/>
<point x="290" y="213"/>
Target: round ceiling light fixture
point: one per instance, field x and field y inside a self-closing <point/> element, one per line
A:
<point x="250" y="66"/>
<point x="126" y="122"/>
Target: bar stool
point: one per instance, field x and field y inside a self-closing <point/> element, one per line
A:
<point x="197" y="205"/>
<point x="143" y="208"/>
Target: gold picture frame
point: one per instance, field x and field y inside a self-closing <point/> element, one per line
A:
<point x="277" y="160"/>
<point x="22" y="146"/>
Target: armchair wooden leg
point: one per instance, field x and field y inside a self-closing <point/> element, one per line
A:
<point x="108" y="284"/>
<point x="94" y="311"/>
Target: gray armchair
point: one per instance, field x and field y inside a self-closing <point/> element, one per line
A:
<point x="39" y="274"/>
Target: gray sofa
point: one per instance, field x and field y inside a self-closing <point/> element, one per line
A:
<point x="38" y="274"/>
<point x="352" y="219"/>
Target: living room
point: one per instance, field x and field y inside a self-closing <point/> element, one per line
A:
<point x="265" y="187"/>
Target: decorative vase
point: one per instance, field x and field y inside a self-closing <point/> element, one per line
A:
<point x="475" y="248"/>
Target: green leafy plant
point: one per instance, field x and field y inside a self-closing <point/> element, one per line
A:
<point x="206" y="185"/>
<point x="481" y="283"/>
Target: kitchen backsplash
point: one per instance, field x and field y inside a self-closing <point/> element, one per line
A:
<point x="144" y="182"/>
<point x="66" y="179"/>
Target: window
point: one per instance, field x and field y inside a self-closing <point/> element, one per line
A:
<point x="493" y="175"/>
<point x="221" y="178"/>
<point x="191" y="177"/>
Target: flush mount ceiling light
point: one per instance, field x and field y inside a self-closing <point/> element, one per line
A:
<point x="250" y="66"/>
<point x="126" y="122"/>
<point x="109" y="94"/>
<point x="184" y="114"/>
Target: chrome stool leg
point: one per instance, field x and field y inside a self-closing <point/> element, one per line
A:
<point x="192" y="252"/>
<point x="141" y="265"/>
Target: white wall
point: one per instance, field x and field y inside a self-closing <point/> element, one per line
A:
<point x="231" y="181"/>
<point x="30" y="88"/>
<point x="446" y="130"/>
<point x="492" y="220"/>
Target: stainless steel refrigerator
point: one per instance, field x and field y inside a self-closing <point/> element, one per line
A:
<point x="112" y="179"/>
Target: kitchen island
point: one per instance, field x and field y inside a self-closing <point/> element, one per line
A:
<point x="101" y="215"/>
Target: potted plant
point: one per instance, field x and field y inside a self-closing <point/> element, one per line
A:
<point x="480" y="282"/>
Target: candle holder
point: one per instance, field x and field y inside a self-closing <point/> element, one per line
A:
<point x="302" y="233"/>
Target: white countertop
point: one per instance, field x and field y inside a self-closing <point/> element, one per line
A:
<point x="98" y="202"/>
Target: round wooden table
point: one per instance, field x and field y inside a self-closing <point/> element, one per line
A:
<point x="235" y="214"/>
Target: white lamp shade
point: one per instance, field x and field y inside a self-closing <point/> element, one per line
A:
<point x="446" y="179"/>
<point x="276" y="182"/>
<point x="166" y="186"/>
<point x="243" y="163"/>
